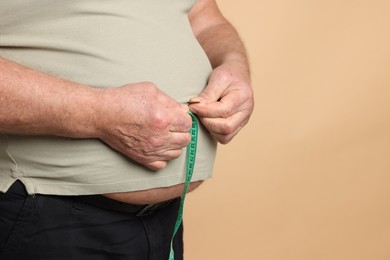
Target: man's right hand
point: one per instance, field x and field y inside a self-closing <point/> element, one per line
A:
<point x="143" y="123"/>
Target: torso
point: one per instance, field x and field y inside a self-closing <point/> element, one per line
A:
<point x="103" y="44"/>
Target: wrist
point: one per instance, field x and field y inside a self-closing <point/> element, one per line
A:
<point x="239" y="63"/>
<point x="80" y="116"/>
<point x="94" y="119"/>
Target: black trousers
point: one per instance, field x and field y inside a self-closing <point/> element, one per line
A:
<point x="42" y="227"/>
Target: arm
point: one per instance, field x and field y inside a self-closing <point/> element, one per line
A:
<point x="34" y="103"/>
<point x="227" y="101"/>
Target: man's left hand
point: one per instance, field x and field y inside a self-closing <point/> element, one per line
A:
<point x="226" y="103"/>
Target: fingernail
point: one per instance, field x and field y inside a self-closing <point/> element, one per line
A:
<point x="195" y="100"/>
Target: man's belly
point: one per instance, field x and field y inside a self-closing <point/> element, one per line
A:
<point x="152" y="41"/>
<point x="152" y="195"/>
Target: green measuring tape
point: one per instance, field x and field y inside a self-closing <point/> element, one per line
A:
<point x="191" y="155"/>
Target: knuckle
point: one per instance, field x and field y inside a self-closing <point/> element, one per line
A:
<point x="156" y="165"/>
<point x="176" y="154"/>
<point x="227" y="128"/>
<point x="149" y="88"/>
<point x="224" y="139"/>
<point x="188" y="124"/>
<point x="149" y="85"/>
<point x="154" y="142"/>
<point x="184" y="121"/>
<point x="159" y="121"/>
<point x="245" y="92"/>
<point x="250" y="98"/>
<point x="140" y="158"/>
<point x="187" y="140"/>
<point x="226" y="112"/>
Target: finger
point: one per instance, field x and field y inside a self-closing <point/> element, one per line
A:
<point x="178" y="140"/>
<point x="216" y="85"/>
<point x="170" y="149"/>
<point x="166" y="155"/>
<point x="184" y="107"/>
<point x="212" y="110"/>
<point x="229" y="104"/>
<point x="160" y="162"/>
<point x="181" y="123"/>
<point x="219" y="125"/>
<point x="225" y="126"/>
<point x="223" y="137"/>
<point x="156" y="165"/>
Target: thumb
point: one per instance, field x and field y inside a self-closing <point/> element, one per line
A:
<point x="212" y="92"/>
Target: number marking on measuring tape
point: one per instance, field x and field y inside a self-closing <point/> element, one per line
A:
<point x="191" y="155"/>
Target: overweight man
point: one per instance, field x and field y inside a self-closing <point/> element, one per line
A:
<point x="94" y="122"/>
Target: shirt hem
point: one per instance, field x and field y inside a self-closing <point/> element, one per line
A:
<point x="51" y="187"/>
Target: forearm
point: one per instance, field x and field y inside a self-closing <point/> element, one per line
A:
<point x="217" y="36"/>
<point x="34" y="103"/>
<point x="222" y="44"/>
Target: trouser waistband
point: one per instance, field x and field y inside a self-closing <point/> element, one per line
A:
<point x="102" y="202"/>
<point x="114" y="205"/>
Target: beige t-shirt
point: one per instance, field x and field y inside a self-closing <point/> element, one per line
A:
<point x="103" y="44"/>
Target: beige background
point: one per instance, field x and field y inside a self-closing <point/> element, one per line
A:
<point x="309" y="177"/>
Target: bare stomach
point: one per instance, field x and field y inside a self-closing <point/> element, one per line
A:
<point x="152" y="195"/>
